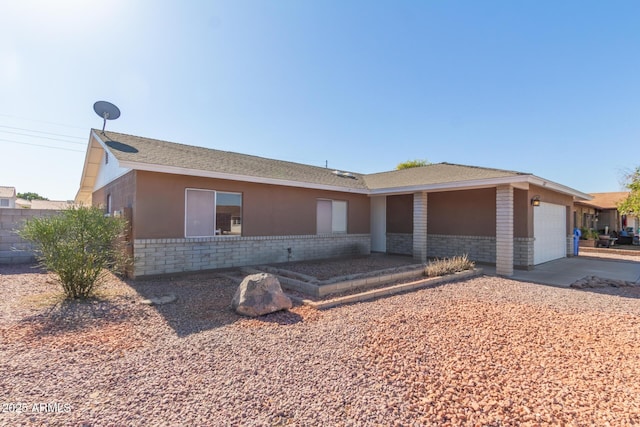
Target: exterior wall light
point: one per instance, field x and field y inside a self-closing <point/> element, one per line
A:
<point x="535" y="201"/>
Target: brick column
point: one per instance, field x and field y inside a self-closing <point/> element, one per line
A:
<point x="504" y="230"/>
<point x="420" y="227"/>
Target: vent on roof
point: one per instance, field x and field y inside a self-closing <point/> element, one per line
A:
<point x="344" y="174"/>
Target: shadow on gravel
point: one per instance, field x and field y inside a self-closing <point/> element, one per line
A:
<point x="21" y="269"/>
<point x="76" y="316"/>
<point x="203" y="301"/>
<point x="282" y="318"/>
<point x="622" y="292"/>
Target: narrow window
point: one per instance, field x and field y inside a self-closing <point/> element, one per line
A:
<point x="108" y="203"/>
<point x="199" y="220"/>
<point x="228" y="213"/>
<point x="339" y="217"/>
<point x="323" y="217"/>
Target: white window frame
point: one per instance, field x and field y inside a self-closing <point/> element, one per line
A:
<point x="7" y="201"/>
<point x="214" y="209"/>
<point x="338" y="207"/>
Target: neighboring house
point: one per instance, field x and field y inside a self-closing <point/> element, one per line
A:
<point x="601" y="213"/>
<point x="13" y="248"/>
<point x="45" y="204"/>
<point x="194" y="208"/>
<point x="7" y="197"/>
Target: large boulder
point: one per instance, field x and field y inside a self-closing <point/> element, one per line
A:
<point x="260" y="294"/>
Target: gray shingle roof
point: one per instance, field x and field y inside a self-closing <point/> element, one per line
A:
<point x="131" y="148"/>
<point x="439" y="173"/>
<point x="152" y="151"/>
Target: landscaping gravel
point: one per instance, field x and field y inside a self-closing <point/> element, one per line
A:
<point x="486" y="351"/>
<point x="326" y="269"/>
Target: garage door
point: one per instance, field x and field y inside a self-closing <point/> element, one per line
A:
<point x="550" y="232"/>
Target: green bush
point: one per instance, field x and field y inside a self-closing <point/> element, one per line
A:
<point x="78" y="245"/>
<point x="441" y="267"/>
<point x="588" y="233"/>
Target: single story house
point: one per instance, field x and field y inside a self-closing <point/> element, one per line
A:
<point x="10" y="200"/>
<point x="7" y="197"/>
<point x="56" y="205"/>
<point x="194" y="208"/>
<point x="601" y="213"/>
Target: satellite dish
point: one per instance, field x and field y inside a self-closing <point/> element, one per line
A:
<point x="107" y="111"/>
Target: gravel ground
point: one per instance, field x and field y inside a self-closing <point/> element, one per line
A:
<point x="631" y="256"/>
<point x="326" y="269"/>
<point x="487" y="351"/>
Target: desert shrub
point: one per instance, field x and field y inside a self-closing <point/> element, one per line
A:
<point x="589" y="233"/>
<point x="78" y="245"/>
<point x="441" y="267"/>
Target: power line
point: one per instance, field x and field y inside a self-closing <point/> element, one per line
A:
<point x="41" y="121"/>
<point x="40" y="131"/>
<point x="43" y="137"/>
<point x="39" y="145"/>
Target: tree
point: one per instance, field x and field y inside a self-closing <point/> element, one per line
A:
<point x="78" y="245"/>
<point x="30" y="196"/>
<point x="412" y="164"/>
<point x="631" y="205"/>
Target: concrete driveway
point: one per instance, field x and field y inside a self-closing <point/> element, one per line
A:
<point x="563" y="272"/>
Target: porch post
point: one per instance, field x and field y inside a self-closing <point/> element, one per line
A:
<point x="504" y="230"/>
<point x="420" y="227"/>
<point x="379" y="224"/>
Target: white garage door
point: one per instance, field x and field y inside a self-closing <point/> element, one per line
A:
<point x="550" y="232"/>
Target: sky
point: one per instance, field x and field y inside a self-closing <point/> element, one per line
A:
<point x="550" y="88"/>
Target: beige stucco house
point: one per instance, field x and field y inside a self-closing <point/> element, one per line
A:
<point x="193" y="208"/>
<point x="7" y="197"/>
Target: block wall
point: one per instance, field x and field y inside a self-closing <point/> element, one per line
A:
<point x="164" y="256"/>
<point x="14" y="249"/>
<point x="479" y="248"/>
<point x="400" y="243"/>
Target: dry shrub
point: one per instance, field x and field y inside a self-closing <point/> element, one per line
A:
<point x="442" y="267"/>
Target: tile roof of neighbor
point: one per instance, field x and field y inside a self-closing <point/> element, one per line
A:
<point x="51" y="204"/>
<point x="156" y="152"/>
<point x="45" y="204"/>
<point x="7" y="191"/>
<point x="606" y="200"/>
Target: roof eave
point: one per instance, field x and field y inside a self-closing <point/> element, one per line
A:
<point x="577" y="195"/>
<point x="87" y="180"/>
<point x="517" y="181"/>
<point x="237" y="177"/>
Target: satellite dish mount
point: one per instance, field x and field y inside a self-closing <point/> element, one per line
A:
<point x="107" y="111"/>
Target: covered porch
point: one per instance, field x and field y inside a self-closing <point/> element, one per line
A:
<point x="496" y="224"/>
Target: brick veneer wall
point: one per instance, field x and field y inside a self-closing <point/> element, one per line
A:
<point x="504" y="230"/>
<point x="479" y="248"/>
<point x="163" y="256"/>
<point x="14" y="249"/>
<point x="400" y="243"/>
<point x="420" y="219"/>
<point x="523" y="251"/>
